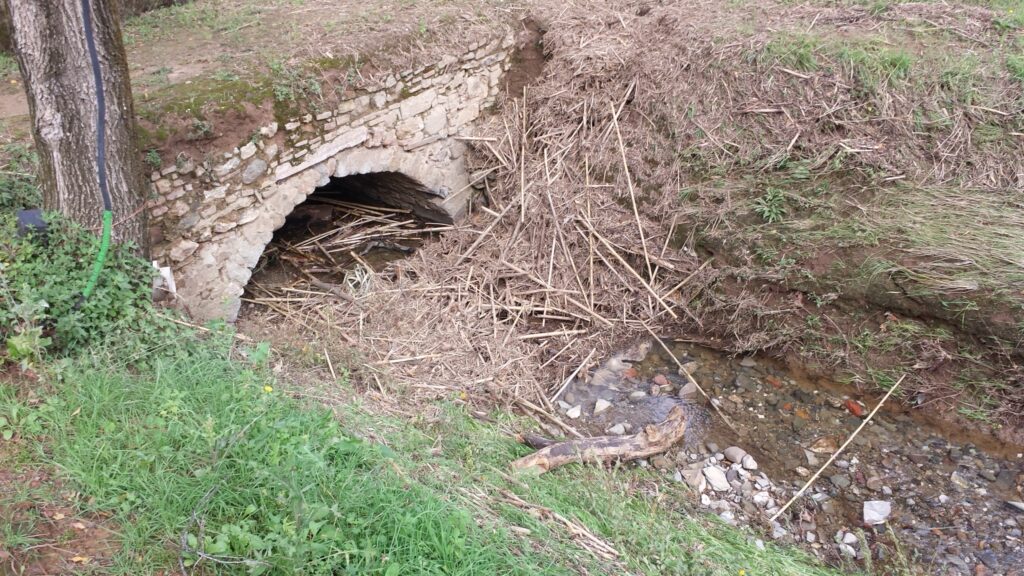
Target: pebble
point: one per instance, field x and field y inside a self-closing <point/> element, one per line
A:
<point x="716" y="478"/>
<point x="802" y="472"/>
<point x="660" y="380"/>
<point x="712" y="447"/>
<point x="695" y="479"/>
<point x="987" y="474"/>
<point x="637" y="394"/>
<point x="748" y="462"/>
<point x="847" y="550"/>
<point x="661" y="462"/>
<point x="877" y="511"/>
<point x="601" y="405"/>
<point x="850" y="538"/>
<point x="735" y="453"/>
<point x="840" y="481"/>
<point x="748" y="362"/>
<point x="688" y="390"/>
<point x="618" y="429"/>
<point x="762" y="499"/>
<point x="574" y="412"/>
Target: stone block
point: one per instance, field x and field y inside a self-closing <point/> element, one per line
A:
<point x="215" y="193"/>
<point x="418" y="104"/>
<point x="256" y="168"/>
<point x="183" y="249"/>
<point x="248" y="151"/>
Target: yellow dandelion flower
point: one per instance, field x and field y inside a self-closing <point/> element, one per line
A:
<point x="268" y="388"/>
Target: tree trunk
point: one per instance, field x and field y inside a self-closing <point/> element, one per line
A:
<point x="50" y="45"/>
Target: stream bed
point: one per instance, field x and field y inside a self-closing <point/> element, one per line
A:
<point x="905" y="492"/>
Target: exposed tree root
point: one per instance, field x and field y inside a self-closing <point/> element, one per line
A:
<point x="654" y="439"/>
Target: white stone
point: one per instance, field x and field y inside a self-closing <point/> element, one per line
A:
<point x="748" y="462"/>
<point x="735" y="453"/>
<point x="269" y="130"/>
<point x="618" y="429"/>
<point x="248" y="151"/>
<point x="215" y="193"/>
<point x="270" y="151"/>
<point x="716" y="478"/>
<point x="436" y="121"/>
<point x="183" y="249"/>
<point x="877" y="511"/>
<point x="256" y="168"/>
<point x="344" y="141"/>
<point x="418" y="104"/>
<point x="601" y="405"/>
<point x="226" y="168"/>
<point x="574" y="412"/>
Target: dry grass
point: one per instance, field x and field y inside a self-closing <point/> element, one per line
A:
<point x="631" y="158"/>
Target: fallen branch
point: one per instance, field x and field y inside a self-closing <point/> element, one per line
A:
<point x="654" y="439"/>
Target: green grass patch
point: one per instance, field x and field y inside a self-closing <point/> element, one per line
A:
<point x="796" y="52"/>
<point x="207" y="448"/>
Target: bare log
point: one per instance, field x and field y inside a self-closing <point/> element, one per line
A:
<point x="654" y="439"/>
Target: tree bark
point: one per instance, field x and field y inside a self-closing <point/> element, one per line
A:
<point x="50" y="46"/>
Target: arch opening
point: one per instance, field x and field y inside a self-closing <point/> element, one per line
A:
<point x="343" y="227"/>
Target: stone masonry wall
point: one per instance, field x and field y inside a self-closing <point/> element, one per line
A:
<point x="210" y="222"/>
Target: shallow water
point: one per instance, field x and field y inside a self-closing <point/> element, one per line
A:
<point x="948" y="487"/>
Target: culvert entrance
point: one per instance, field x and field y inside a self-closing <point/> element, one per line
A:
<point x="333" y="243"/>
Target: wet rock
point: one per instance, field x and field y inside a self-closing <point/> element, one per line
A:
<point x="748" y="462"/>
<point x="618" y="430"/>
<point x="637" y="394"/>
<point x="877" y="511"/>
<point x="735" y="453"/>
<point x="841" y="481"/>
<point x="601" y="405"/>
<point x="987" y="474"/>
<point x="988" y="559"/>
<point x="574" y="412"/>
<point x="660" y="380"/>
<point x="716" y="478"/>
<point x="688" y="390"/>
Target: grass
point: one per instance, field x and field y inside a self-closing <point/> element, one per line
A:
<point x="191" y="446"/>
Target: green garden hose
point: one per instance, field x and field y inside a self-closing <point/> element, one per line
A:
<point x="101" y="256"/>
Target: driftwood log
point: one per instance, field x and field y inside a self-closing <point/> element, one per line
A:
<point x="654" y="439"/>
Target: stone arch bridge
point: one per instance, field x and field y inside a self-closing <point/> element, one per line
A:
<point x="214" y="220"/>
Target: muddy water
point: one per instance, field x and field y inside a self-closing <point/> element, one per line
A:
<point x="949" y="492"/>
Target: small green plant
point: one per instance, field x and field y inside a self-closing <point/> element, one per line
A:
<point x="18" y="178"/>
<point x="770" y="206"/>
<point x="794" y="52"/>
<point x="42" y="282"/>
<point x="153" y="159"/>
<point x="1015" y="65"/>
<point x="17" y="419"/>
<point x="201" y="129"/>
<point x="8" y="65"/>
